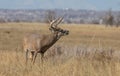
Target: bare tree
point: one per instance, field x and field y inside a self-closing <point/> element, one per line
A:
<point x="2" y="20"/>
<point x="109" y="18"/>
<point x="50" y="15"/>
<point x="39" y="43"/>
<point x="117" y="21"/>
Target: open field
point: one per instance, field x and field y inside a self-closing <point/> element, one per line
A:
<point x="89" y="50"/>
<point x="11" y="35"/>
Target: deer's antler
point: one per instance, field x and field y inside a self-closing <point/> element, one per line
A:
<point x="55" y="22"/>
<point x="58" y="21"/>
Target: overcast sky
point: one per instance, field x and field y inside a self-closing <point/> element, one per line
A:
<point x="61" y="4"/>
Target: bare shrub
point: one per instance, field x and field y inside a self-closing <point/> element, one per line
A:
<point x="109" y="18"/>
<point x="65" y="53"/>
<point x="54" y="51"/>
<point x="50" y="16"/>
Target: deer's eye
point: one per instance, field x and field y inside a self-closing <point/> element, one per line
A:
<point x="61" y="30"/>
<point x="50" y="29"/>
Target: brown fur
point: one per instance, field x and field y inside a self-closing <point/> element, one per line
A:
<point x="39" y="43"/>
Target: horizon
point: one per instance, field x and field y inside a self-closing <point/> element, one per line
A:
<point x="61" y="4"/>
<point x="62" y="9"/>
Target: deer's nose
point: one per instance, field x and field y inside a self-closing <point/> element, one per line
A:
<point x="67" y="32"/>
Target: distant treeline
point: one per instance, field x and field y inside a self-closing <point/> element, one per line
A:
<point x="70" y="16"/>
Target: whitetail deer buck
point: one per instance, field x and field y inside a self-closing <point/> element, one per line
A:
<point x="39" y="43"/>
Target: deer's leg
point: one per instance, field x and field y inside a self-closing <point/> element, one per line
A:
<point x="31" y="56"/>
<point x="34" y="57"/>
<point x="26" y="56"/>
<point x="42" y="56"/>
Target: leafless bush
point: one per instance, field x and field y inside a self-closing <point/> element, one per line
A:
<point x="60" y="52"/>
<point x="50" y="15"/>
<point x="109" y="18"/>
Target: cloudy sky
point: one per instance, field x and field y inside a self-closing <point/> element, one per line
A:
<point x="61" y="4"/>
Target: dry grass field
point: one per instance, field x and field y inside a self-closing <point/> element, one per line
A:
<point x="89" y="50"/>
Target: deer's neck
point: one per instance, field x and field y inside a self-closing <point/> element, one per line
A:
<point x="49" y="41"/>
<point x="53" y="38"/>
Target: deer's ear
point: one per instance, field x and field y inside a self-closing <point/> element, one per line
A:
<point x="51" y="29"/>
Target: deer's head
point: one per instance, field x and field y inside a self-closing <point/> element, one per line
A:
<point x="57" y="30"/>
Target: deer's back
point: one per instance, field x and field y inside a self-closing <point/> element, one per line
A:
<point x="32" y="41"/>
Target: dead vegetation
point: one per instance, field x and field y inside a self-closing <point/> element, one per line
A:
<point x="87" y="51"/>
<point x="66" y="61"/>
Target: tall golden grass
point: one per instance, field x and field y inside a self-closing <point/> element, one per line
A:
<point x="89" y="50"/>
<point x="74" y="61"/>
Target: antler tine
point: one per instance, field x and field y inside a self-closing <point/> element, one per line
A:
<point x="59" y="20"/>
<point x="53" y="22"/>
